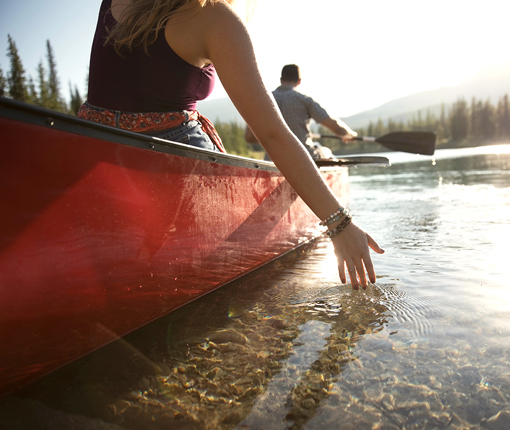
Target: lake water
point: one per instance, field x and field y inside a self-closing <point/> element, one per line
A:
<point x="289" y="347"/>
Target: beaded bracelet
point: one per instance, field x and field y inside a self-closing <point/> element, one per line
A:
<point x="340" y="227"/>
<point x="335" y="216"/>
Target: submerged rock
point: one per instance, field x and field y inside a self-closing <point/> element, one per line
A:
<point x="500" y="421"/>
<point x="228" y="336"/>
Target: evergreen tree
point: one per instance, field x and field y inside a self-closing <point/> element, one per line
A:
<point x="370" y="129"/>
<point x="3" y="84"/>
<point x="440" y="132"/>
<point x="459" y="120"/>
<point x="32" y="93"/>
<point x="54" y="97"/>
<point x="503" y="118"/>
<point x="16" y="81"/>
<point x="76" y="100"/>
<point x="487" y="121"/>
<point x="475" y="120"/>
<point x="443" y="126"/>
<point x="379" y="128"/>
<point x="232" y="136"/>
<point x="232" y="140"/>
<point x="43" y="98"/>
<point x="392" y="126"/>
<point x="430" y="122"/>
<point x="418" y="123"/>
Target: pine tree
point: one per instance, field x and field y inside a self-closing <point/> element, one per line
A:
<point x="506" y="116"/>
<point x="32" y="93"/>
<point x="488" y="122"/>
<point x="503" y="118"/>
<point x="430" y="122"/>
<point x="392" y="126"/>
<point x="379" y="128"/>
<point x="459" y="120"/>
<point x="370" y="129"/>
<point x="418" y="124"/>
<point x="475" y="120"/>
<point x="16" y="81"/>
<point x="443" y="126"/>
<point x="76" y="100"/>
<point x="55" y="101"/>
<point x="43" y="98"/>
<point x="3" y="84"/>
<point x="440" y="132"/>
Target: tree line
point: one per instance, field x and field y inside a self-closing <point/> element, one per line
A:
<point x="478" y="121"/>
<point x="462" y="124"/>
<point x="45" y="90"/>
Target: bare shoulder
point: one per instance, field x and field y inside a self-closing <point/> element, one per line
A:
<point x="221" y="17"/>
<point x="200" y="32"/>
<point x="224" y="29"/>
<point x="219" y="9"/>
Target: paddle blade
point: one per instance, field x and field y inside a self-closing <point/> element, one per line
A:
<point x="415" y="142"/>
<point x="353" y="161"/>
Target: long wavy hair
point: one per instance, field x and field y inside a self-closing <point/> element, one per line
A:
<point x="141" y="21"/>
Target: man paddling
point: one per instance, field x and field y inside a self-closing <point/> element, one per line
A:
<point x="298" y="109"/>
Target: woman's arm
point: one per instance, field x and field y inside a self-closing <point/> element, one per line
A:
<point x="228" y="45"/>
<point x="249" y="136"/>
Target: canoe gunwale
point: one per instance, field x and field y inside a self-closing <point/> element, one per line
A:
<point x="20" y="111"/>
<point x="36" y="115"/>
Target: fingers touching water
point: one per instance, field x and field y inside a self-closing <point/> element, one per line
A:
<point x="353" y="254"/>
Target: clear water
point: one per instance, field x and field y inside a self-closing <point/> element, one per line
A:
<point x="289" y="347"/>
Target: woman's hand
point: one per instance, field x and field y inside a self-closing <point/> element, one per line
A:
<point x="352" y="252"/>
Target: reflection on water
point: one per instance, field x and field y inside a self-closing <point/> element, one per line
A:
<point x="443" y="222"/>
<point x="288" y="347"/>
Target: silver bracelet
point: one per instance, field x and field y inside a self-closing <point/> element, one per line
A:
<point x="340" y="227"/>
<point x="335" y="216"/>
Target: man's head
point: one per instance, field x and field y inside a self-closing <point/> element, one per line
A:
<point x="291" y="75"/>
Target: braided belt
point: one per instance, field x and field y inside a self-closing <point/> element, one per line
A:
<point x="145" y="122"/>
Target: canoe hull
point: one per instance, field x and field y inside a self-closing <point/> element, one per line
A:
<point x="101" y="233"/>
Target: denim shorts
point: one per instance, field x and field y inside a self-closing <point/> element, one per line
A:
<point x="189" y="133"/>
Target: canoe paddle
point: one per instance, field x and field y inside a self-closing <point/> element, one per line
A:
<point x="415" y="142"/>
<point x="353" y="161"/>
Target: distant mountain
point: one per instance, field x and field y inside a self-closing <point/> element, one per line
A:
<point x="491" y="83"/>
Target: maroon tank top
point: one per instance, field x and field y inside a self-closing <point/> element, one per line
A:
<point x="136" y="82"/>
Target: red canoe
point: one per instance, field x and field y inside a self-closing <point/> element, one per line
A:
<point x="103" y="231"/>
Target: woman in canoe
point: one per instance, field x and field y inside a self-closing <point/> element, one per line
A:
<point x="152" y="60"/>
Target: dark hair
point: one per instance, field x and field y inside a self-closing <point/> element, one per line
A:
<point x="290" y="73"/>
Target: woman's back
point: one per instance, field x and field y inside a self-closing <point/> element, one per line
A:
<point x="157" y="81"/>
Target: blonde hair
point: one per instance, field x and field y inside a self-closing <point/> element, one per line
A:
<point x="141" y="21"/>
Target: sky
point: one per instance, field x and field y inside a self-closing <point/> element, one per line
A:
<point x="353" y="55"/>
